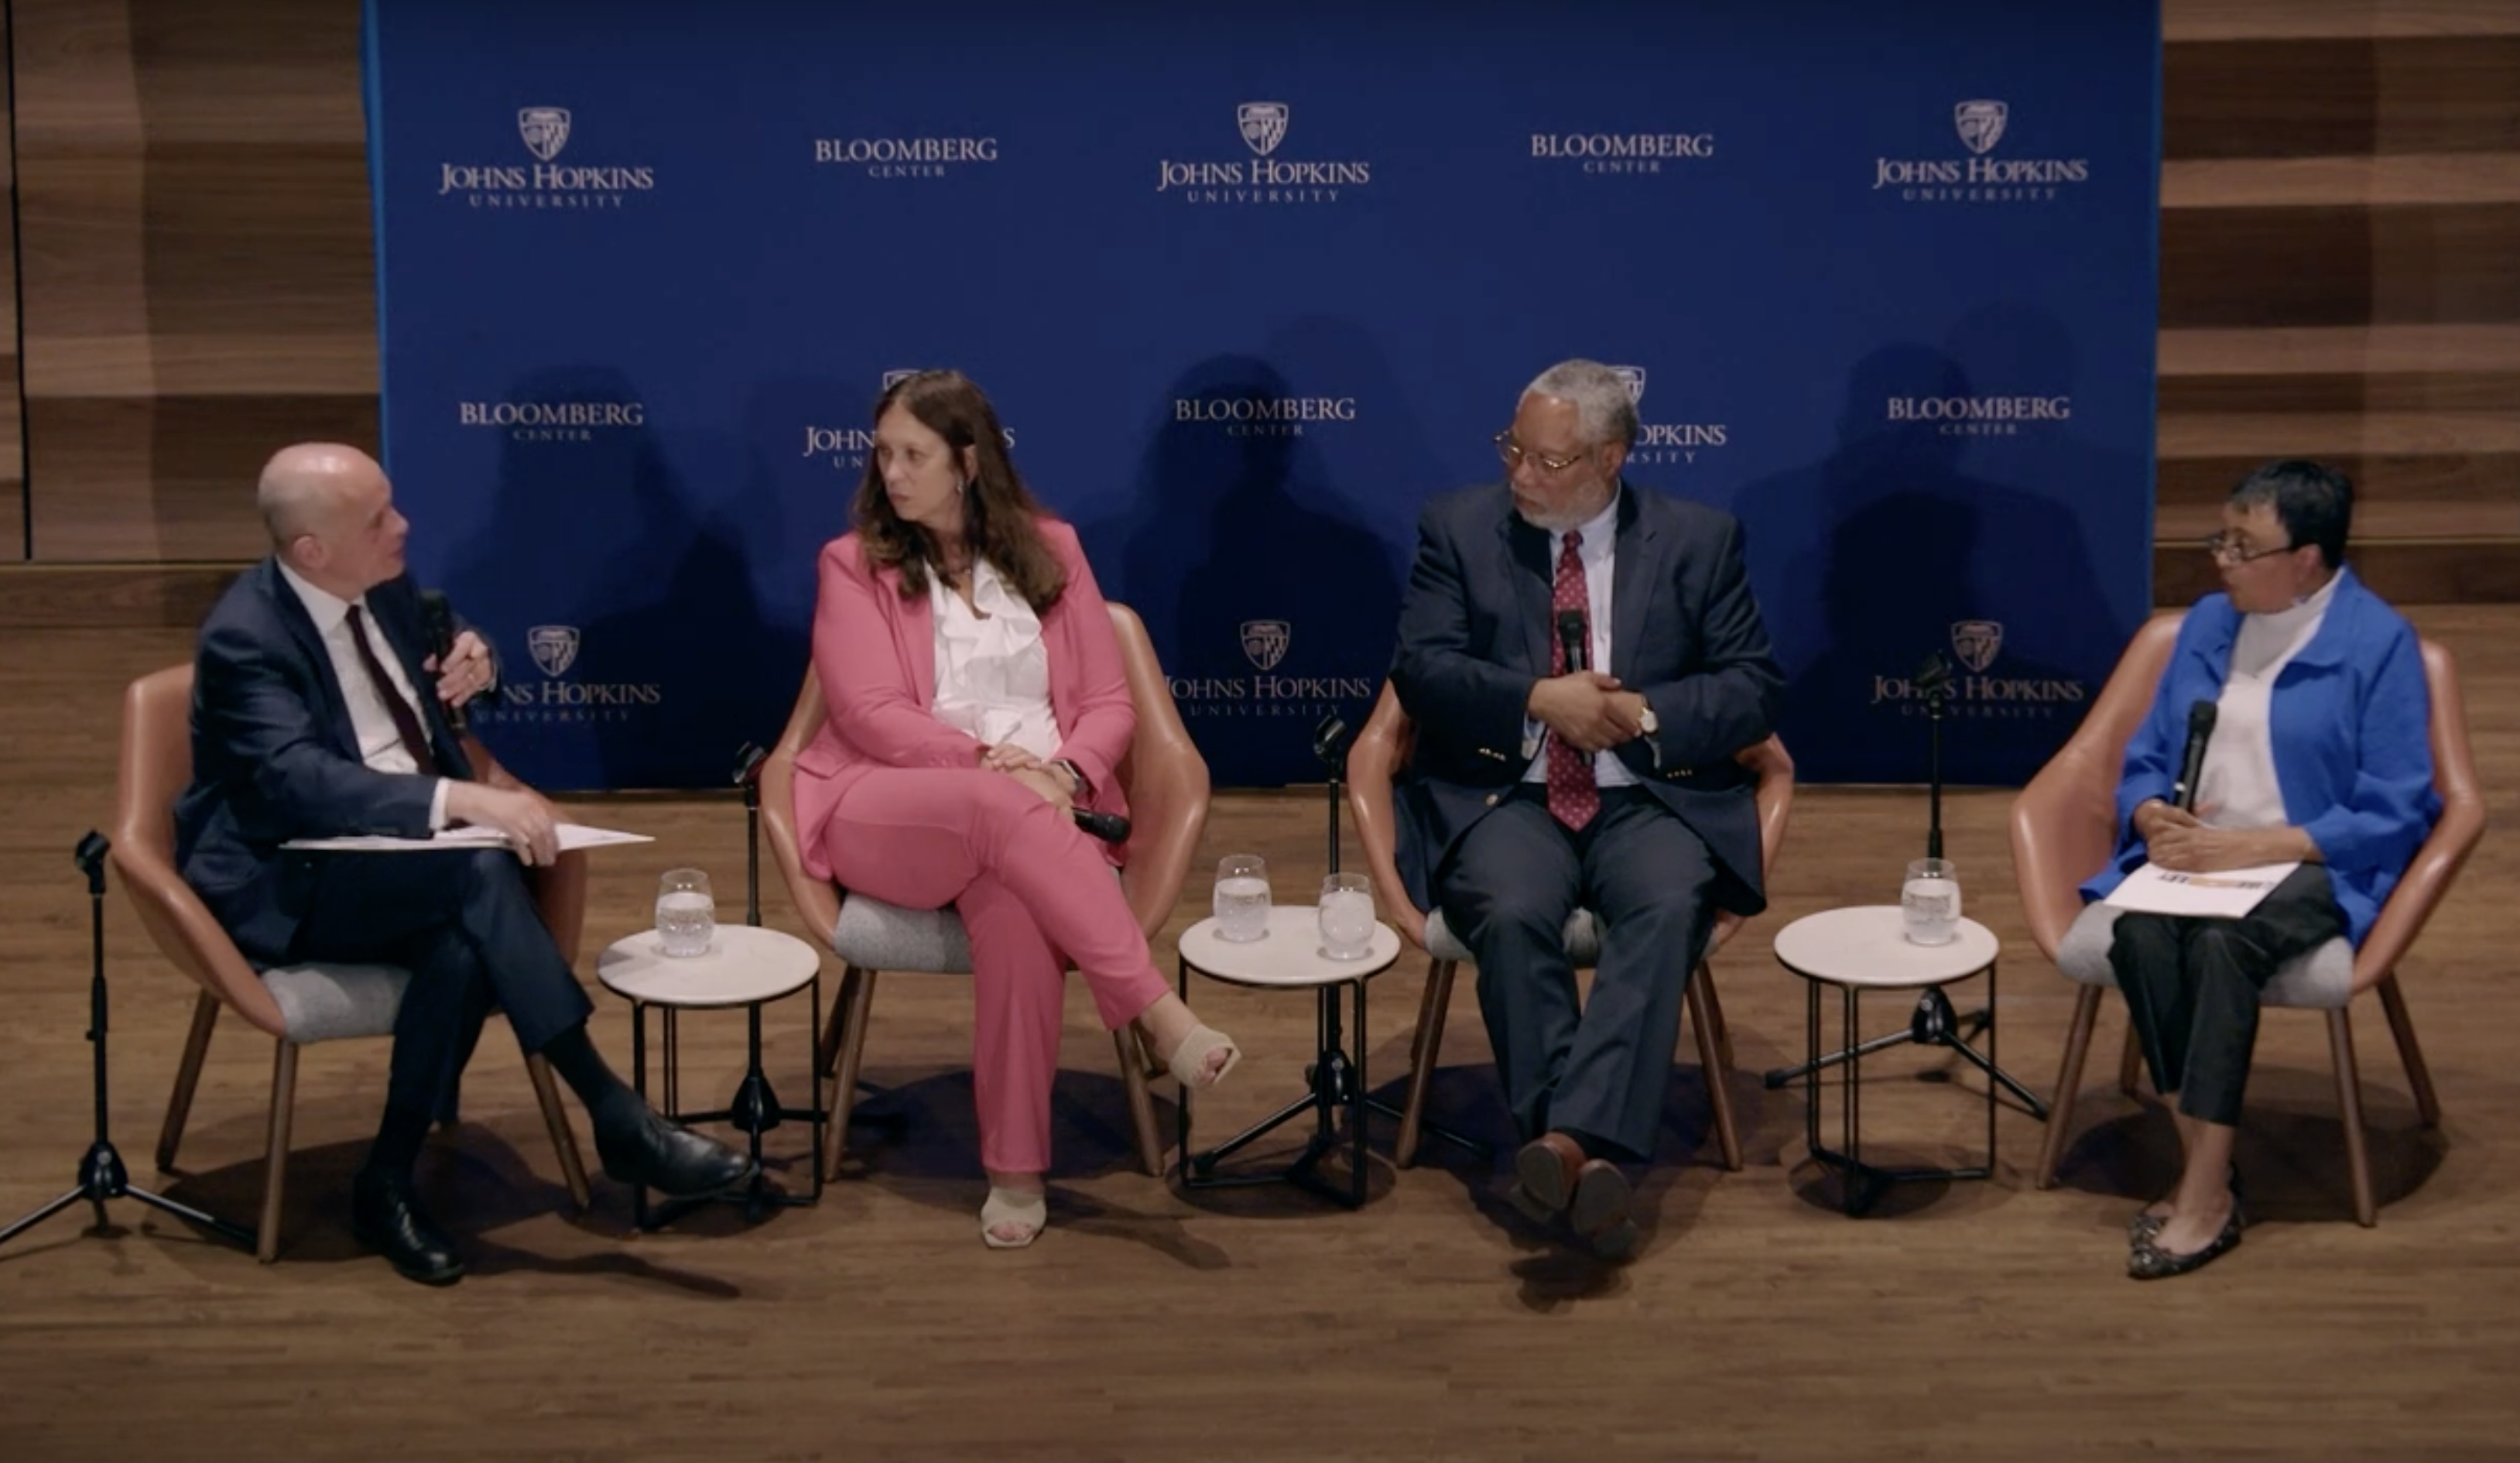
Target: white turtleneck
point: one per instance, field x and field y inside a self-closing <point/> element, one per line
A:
<point x="2238" y="787"/>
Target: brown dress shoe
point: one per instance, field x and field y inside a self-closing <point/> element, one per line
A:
<point x="1544" y="1172"/>
<point x="1601" y="1202"/>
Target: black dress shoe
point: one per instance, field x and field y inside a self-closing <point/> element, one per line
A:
<point x="2147" y="1260"/>
<point x="387" y="1218"/>
<point x="1544" y="1171"/>
<point x="1601" y="1202"/>
<point x="669" y="1158"/>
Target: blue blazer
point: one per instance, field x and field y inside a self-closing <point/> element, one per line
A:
<point x="2351" y="723"/>
<point x="274" y="757"/>
<point x="1685" y="632"/>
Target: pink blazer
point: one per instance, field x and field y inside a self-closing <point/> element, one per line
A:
<point x="874" y="653"/>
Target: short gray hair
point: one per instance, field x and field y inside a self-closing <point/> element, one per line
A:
<point x="1602" y="408"/>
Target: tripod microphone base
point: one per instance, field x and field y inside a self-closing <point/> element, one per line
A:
<point x="103" y="1177"/>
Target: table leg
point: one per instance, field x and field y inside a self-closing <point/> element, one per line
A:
<point x="639" y="1084"/>
<point x="1356" y="1103"/>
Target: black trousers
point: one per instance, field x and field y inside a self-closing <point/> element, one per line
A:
<point x="466" y="925"/>
<point x="1598" y="1067"/>
<point x="2192" y="986"/>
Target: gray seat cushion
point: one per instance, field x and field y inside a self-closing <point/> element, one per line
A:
<point x="2322" y="980"/>
<point x="332" y="1002"/>
<point x="1582" y="940"/>
<point x="876" y="936"/>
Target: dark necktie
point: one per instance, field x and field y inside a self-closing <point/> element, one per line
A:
<point x="1573" y="799"/>
<point x="406" y="722"/>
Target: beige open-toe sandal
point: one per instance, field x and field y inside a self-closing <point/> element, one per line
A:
<point x="1008" y="1207"/>
<point x="1188" y="1062"/>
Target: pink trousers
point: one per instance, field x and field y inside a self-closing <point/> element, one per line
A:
<point x="1034" y="892"/>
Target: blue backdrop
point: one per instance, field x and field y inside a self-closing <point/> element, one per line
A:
<point x="1247" y="285"/>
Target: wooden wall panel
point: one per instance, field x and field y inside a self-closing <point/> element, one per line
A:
<point x="13" y="474"/>
<point x="199" y="275"/>
<point x="2329" y="98"/>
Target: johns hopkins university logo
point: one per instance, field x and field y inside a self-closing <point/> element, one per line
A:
<point x="1981" y="177"/>
<point x="1978" y="695"/>
<point x="844" y="450"/>
<point x="1976" y="642"/>
<point x="1267" y="692"/>
<point x="1265" y="641"/>
<point x="547" y="183"/>
<point x="1666" y="443"/>
<point x="560" y="700"/>
<point x="1263" y="178"/>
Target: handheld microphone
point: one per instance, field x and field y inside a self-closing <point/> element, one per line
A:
<point x="2191" y="764"/>
<point x="439" y="619"/>
<point x="1576" y="638"/>
<point x="1110" y="828"/>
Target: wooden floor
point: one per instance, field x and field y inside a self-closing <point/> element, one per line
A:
<point x="1969" y="1320"/>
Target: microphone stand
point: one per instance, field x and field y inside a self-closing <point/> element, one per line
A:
<point x="1934" y="1022"/>
<point x="102" y="1174"/>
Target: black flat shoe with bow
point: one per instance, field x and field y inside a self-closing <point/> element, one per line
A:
<point x="2147" y="1260"/>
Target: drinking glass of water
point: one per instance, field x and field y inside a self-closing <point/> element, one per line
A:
<point x="1241" y="898"/>
<point x="1346" y="916"/>
<point x="1930" y="901"/>
<point x="685" y="914"/>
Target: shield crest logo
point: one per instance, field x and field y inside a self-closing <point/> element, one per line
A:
<point x="1976" y="642"/>
<point x="1980" y="124"/>
<point x="1263" y="124"/>
<point x="544" y="130"/>
<point x="1634" y="379"/>
<point x="1265" y="641"/>
<point x="553" y="647"/>
<point x="893" y="379"/>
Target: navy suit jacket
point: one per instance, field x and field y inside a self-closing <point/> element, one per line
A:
<point x="1685" y="632"/>
<point x="274" y="757"/>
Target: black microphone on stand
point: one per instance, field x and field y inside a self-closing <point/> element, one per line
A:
<point x="1578" y="641"/>
<point x="439" y="619"/>
<point x="2191" y="763"/>
<point x="1330" y="746"/>
<point x="1934" y="682"/>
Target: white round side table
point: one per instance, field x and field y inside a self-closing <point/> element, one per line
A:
<point x="1290" y="957"/>
<point x="748" y="966"/>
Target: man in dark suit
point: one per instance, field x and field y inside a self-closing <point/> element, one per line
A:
<point x="1583" y="658"/>
<point x="317" y="713"/>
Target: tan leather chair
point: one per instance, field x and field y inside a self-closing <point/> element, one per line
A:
<point x="297" y="1006"/>
<point x="1167" y="782"/>
<point x="1382" y="750"/>
<point x="2064" y="828"/>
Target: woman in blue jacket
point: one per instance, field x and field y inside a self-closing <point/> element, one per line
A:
<point x="2320" y="753"/>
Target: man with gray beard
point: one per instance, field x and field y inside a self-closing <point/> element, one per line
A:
<point x="1583" y="658"/>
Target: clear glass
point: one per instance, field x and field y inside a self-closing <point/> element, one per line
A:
<point x="1346" y="917"/>
<point x="685" y="913"/>
<point x="1241" y="898"/>
<point x="1930" y="901"/>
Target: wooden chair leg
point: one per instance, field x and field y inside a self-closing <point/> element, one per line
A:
<point x="1142" y="1103"/>
<point x="2349" y="1103"/>
<point x="572" y="1168"/>
<point x="2069" y="1083"/>
<point x="188" y="1077"/>
<point x="1712" y="1061"/>
<point x="827" y="1049"/>
<point x="1715" y="1021"/>
<point x="1423" y="1048"/>
<point x="2130" y="1061"/>
<point x="849" y="1043"/>
<point x="2419" y="1076"/>
<point x="275" y="1164"/>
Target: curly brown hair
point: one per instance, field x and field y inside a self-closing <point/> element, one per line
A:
<point x="1000" y="514"/>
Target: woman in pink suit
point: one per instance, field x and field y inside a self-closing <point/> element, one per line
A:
<point x="977" y="693"/>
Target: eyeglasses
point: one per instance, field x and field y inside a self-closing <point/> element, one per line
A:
<point x="1514" y="453"/>
<point x="2233" y="548"/>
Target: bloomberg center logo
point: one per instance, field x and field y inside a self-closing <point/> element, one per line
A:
<point x="845" y="449"/>
<point x="1264" y="644"/>
<point x="1979" y="415"/>
<point x="1256" y="415"/>
<point x="1264" y="177"/>
<point x="905" y="157"/>
<point x="1666" y="443"/>
<point x="553" y="421"/>
<point x="558" y="699"/>
<point x="1980" y="177"/>
<point x="546" y="182"/>
<point x="1978" y="643"/>
<point x="1604" y="153"/>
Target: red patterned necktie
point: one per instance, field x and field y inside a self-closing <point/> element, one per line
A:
<point x="1573" y="799"/>
<point x="405" y="720"/>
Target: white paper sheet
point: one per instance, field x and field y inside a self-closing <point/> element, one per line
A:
<point x="571" y="836"/>
<point x="2226" y="893"/>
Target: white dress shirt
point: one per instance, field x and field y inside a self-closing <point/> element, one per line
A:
<point x="992" y="667"/>
<point x="1597" y="554"/>
<point x="2237" y="788"/>
<point x="380" y="742"/>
